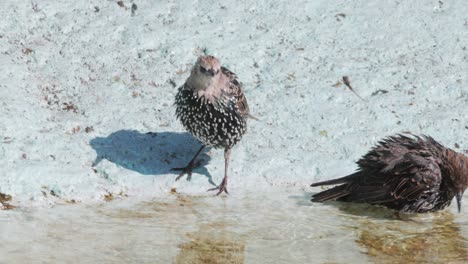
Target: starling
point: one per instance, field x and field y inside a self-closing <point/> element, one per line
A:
<point x="212" y="107"/>
<point x="410" y="174"/>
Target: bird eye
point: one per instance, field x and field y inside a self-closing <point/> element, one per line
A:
<point x="203" y="70"/>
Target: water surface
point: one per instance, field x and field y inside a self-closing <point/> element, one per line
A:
<point x="275" y="227"/>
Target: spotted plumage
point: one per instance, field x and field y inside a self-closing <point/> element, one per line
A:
<point x="221" y="123"/>
<point x="409" y="174"/>
<point x="212" y="107"/>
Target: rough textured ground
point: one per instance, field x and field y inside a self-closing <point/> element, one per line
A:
<point x="87" y="87"/>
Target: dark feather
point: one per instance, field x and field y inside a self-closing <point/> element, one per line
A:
<point x="235" y="90"/>
<point x="331" y="194"/>
<point x="411" y="174"/>
<point x="335" y="181"/>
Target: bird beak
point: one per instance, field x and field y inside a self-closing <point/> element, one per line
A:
<point x="211" y="72"/>
<point x="459" y="199"/>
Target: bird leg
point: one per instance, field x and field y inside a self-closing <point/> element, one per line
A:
<point x="223" y="186"/>
<point x="188" y="169"/>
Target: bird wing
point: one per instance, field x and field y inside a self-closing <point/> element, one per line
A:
<point x="406" y="179"/>
<point x="235" y="90"/>
<point x="413" y="176"/>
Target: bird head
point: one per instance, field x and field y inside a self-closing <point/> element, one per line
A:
<point x="206" y="77"/>
<point x="207" y="66"/>
<point x="205" y="72"/>
<point x="459" y="176"/>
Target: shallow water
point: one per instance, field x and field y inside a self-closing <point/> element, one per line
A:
<point x="268" y="228"/>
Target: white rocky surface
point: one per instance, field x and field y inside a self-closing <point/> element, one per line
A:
<point x="86" y="81"/>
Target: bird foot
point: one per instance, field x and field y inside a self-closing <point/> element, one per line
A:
<point x="187" y="170"/>
<point x="221" y="188"/>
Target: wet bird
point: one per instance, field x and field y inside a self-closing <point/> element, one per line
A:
<point x="410" y="174"/>
<point x="212" y="107"/>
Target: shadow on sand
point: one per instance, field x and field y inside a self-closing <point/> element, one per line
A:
<point x="149" y="153"/>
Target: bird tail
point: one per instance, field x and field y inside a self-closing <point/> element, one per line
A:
<point x="335" y="192"/>
<point x="330" y="194"/>
<point x="252" y="117"/>
<point x="344" y="179"/>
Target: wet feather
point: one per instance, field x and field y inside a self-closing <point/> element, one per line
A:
<point x="410" y="174"/>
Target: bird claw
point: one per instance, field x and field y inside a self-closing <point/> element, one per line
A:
<point x="222" y="187"/>
<point x="187" y="170"/>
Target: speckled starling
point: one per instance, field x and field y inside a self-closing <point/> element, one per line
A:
<point x="212" y="107"/>
<point x="409" y="174"/>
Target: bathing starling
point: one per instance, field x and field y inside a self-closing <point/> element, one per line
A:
<point x="409" y="174"/>
<point x="212" y="107"/>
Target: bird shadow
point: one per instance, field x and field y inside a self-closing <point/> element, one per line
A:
<point x="150" y="153"/>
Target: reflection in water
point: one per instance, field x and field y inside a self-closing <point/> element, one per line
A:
<point x="436" y="241"/>
<point x="388" y="237"/>
<point x="212" y="244"/>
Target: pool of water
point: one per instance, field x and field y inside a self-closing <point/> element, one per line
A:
<point x="275" y="227"/>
